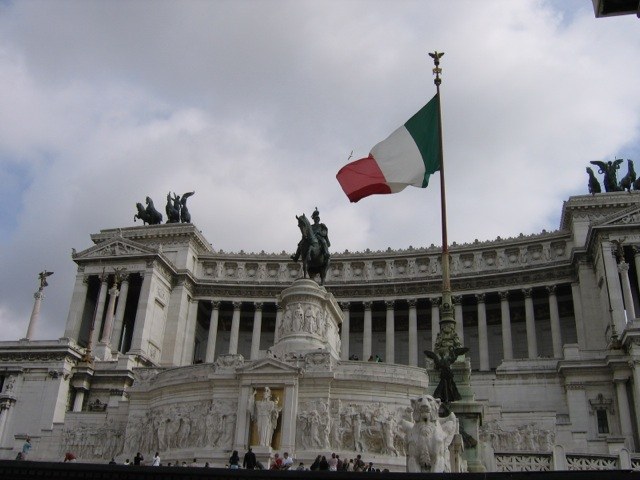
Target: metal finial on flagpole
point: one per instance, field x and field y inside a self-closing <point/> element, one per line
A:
<point x="437" y="70"/>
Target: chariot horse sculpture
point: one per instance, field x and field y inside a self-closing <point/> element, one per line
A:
<point x="312" y="251"/>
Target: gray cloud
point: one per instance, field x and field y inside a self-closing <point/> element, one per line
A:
<point x="256" y="105"/>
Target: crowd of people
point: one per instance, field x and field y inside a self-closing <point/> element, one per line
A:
<point x="332" y="464"/>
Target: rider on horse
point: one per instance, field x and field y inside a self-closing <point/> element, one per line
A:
<point x="322" y="233"/>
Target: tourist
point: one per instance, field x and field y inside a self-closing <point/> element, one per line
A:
<point x="324" y="465"/>
<point x="369" y="468"/>
<point x="127" y="462"/>
<point x="156" y="460"/>
<point x="138" y="459"/>
<point x="69" y="457"/>
<point x="249" y="462"/>
<point x="277" y="462"/>
<point x="300" y="467"/>
<point x="340" y="466"/>
<point x="333" y="463"/>
<point x="113" y="461"/>
<point x="169" y="464"/>
<point x="26" y="448"/>
<point x="287" y="461"/>
<point x="206" y="464"/>
<point x="358" y="465"/>
<point x="234" y="460"/>
<point x="194" y="463"/>
<point x="184" y="464"/>
<point x="316" y="463"/>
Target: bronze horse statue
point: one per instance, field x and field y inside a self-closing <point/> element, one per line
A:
<point x="315" y="259"/>
<point x="148" y="215"/>
<point x="173" y="211"/>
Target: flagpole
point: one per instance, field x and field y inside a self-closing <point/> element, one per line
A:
<point x="447" y="337"/>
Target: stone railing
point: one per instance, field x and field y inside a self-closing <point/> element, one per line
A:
<point x="558" y="460"/>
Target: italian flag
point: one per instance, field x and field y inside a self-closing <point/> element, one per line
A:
<point x="407" y="157"/>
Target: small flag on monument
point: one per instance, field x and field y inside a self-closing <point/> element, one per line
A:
<point x="407" y="157"/>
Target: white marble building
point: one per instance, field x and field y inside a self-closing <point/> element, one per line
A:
<point x="186" y="335"/>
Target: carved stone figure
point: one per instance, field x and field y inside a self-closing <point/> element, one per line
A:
<point x="429" y="437"/>
<point x="313" y="248"/>
<point x="265" y="412"/>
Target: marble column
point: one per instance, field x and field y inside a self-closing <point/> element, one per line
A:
<point x="108" y="320"/>
<point x="634" y="363"/>
<point x="483" y="338"/>
<point x="257" y="330"/>
<point x="279" y="313"/>
<point x="141" y="311"/>
<point x="413" y="332"/>
<point x="78" y="400"/>
<point x="235" y="328"/>
<point x="119" y="319"/>
<point x="636" y="260"/>
<point x="507" y="343"/>
<point x="78" y="302"/>
<point x="435" y="320"/>
<point x="576" y="296"/>
<point x="624" y="411"/>
<point x="623" y="270"/>
<point x="213" y="332"/>
<point x="366" y="334"/>
<point x="344" y="340"/>
<point x="6" y="405"/>
<point x="99" y="311"/>
<point x="554" y="316"/>
<point x="457" y="308"/>
<point x="190" y="333"/>
<point x="35" y="313"/>
<point x="615" y="293"/>
<point x="532" y="342"/>
<point x="390" y="333"/>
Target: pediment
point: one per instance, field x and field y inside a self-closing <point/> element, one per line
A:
<point x="628" y="216"/>
<point x="269" y="366"/>
<point x="116" y="247"/>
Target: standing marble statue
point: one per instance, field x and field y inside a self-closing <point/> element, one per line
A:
<point x="265" y="412"/>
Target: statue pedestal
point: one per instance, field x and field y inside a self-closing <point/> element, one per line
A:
<point x="310" y="321"/>
<point x="264" y="455"/>
<point x="103" y="352"/>
<point x="468" y="411"/>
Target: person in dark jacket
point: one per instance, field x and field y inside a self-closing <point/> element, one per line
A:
<point x="316" y="463"/>
<point x="324" y="465"/>
<point x="234" y="460"/>
<point x="249" y="462"/>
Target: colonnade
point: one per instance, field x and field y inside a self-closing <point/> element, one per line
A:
<point x="417" y="319"/>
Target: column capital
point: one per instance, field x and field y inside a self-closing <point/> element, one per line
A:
<point x="480" y="297"/>
<point x="436" y="301"/>
<point x="390" y="304"/>
<point x="345" y="305"/>
<point x="623" y="266"/>
<point x="215" y="304"/>
<point x="504" y="295"/>
<point x="258" y="305"/>
<point x="551" y="289"/>
<point x="367" y="304"/>
<point x="412" y="302"/>
<point x="527" y="292"/>
<point x="237" y="305"/>
<point x="457" y="299"/>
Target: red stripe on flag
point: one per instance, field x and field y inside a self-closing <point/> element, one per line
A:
<point x="362" y="178"/>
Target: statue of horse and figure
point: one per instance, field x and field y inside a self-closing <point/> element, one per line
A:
<point x="148" y="215"/>
<point x="313" y="248"/>
<point x="609" y="169"/>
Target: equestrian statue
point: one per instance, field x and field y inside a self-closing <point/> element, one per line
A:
<point x="313" y="248"/>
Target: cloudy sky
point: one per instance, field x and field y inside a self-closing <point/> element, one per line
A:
<point x="256" y="105"/>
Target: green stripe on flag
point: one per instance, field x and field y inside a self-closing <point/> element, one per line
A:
<point x="424" y="128"/>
